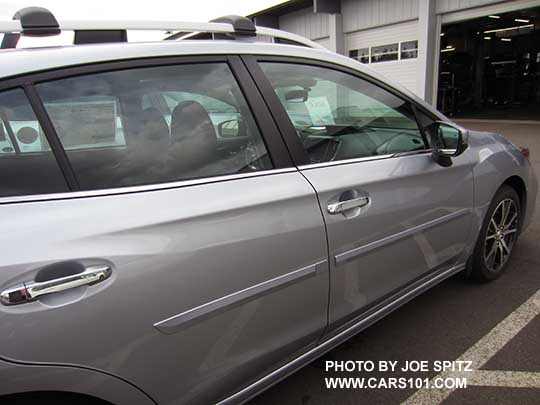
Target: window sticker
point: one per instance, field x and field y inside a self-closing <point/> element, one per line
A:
<point x="320" y="111"/>
<point x="86" y="124"/>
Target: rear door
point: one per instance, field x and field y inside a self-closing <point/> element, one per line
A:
<point x="392" y="214"/>
<point x="197" y="265"/>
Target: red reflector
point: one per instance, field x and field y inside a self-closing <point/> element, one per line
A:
<point x="525" y="152"/>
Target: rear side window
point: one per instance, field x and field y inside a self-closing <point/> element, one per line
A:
<point x="153" y="125"/>
<point x="27" y="164"/>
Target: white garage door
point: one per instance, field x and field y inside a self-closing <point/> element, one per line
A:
<point x="381" y="40"/>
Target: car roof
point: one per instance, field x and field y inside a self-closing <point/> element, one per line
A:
<point x="17" y="62"/>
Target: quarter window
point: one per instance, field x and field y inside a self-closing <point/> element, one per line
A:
<point x="27" y="164"/>
<point x="152" y="125"/>
<point x="338" y="116"/>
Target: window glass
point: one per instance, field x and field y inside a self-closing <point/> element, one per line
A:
<point x="409" y="50"/>
<point x="152" y="125"/>
<point x="218" y="110"/>
<point x="339" y="116"/>
<point x="27" y="164"/>
<point x="361" y="55"/>
<point x="384" y="53"/>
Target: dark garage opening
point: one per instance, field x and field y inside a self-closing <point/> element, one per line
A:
<point x="490" y="67"/>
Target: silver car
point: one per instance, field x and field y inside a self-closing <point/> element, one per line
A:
<point x="192" y="221"/>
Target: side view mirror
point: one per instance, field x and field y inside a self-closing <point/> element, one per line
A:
<point x="447" y="141"/>
<point x="231" y="128"/>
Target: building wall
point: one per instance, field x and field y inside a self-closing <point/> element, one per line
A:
<point x="306" y="23"/>
<point x="324" y="42"/>
<point x="402" y="71"/>
<point x="362" y="14"/>
<point x="369" y="23"/>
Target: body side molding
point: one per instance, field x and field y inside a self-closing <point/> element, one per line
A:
<point x="178" y="322"/>
<point x="353" y="253"/>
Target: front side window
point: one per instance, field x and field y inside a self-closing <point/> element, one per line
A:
<point x="27" y="164"/>
<point x="338" y="116"/>
<point x="155" y="124"/>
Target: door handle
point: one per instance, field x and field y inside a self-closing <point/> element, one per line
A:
<point x="32" y="290"/>
<point x="341" y="206"/>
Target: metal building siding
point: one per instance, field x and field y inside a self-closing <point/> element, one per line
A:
<point x="324" y="42"/>
<point x="306" y="23"/>
<point x="362" y="14"/>
<point x="403" y="71"/>
<point x="445" y="6"/>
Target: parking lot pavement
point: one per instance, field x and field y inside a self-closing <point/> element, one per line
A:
<point x="497" y="323"/>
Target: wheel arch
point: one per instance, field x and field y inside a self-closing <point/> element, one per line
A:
<point x="27" y="379"/>
<point x="517" y="183"/>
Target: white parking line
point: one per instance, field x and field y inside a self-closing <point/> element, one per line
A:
<point x="481" y="352"/>
<point x="511" y="379"/>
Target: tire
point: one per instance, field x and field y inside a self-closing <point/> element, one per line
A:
<point x="498" y="236"/>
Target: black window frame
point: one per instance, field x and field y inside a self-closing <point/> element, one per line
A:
<point x="297" y="151"/>
<point x="271" y="136"/>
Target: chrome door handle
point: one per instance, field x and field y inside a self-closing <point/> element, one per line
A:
<point x="32" y="290"/>
<point x="341" y="206"/>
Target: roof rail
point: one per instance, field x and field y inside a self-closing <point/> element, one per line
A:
<point x="38" y="21"/>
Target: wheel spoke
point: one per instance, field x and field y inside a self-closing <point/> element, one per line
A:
<point x="504" y="246"/>
<point x="490" y="258"/>
<point x="505" y="211"/>
<point x="501" y="254"/>
<point x="509" y="231"/>
<point x="507" y="224"/>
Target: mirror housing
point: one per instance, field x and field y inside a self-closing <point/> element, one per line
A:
<point x="231" y="129"/>
<point x="447" y="141"/>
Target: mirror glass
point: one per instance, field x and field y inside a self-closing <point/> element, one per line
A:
<point x="448" y="139"/>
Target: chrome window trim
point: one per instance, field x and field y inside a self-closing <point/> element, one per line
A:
<point x="141" y="188"/>
<point x="363" y="159"/>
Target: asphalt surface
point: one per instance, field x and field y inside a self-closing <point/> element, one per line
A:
<point x="443" y="324"/>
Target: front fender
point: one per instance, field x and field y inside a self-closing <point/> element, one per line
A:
<point x="18" y="378"/>
<point x="497" y="160"/>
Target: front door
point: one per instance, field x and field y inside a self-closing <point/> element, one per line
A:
<point x="392" y="214"/>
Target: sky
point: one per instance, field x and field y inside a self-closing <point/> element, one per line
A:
<point x="156" y="10"/>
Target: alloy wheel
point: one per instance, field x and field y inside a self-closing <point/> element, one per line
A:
<point x="501" y="234"/>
